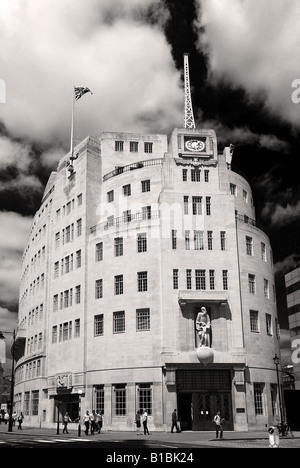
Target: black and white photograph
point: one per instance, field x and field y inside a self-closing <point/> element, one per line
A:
<point x="149" y="226"/>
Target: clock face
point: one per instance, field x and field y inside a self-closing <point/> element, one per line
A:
<point x="195" y="145"/>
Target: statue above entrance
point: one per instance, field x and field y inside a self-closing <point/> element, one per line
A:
<point x="203" y="327"/>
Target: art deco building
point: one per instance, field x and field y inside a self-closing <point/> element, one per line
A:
<point x="132" y="238"/>
<point x="292" y="283"/>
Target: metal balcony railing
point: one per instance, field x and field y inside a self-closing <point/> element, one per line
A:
<point x="125" y="219"/>
<point x="132" y="167"/>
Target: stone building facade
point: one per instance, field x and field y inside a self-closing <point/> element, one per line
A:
<point x="132" y="238"/>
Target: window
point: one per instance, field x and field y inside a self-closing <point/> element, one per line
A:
<point x="206" y="175"/>
<point x="142" y="319"/>
<point x="145" y="185"/>
<point x="35" y="403"/>
<point x="209" y="240"/>
<point x="77" y="328"/>
<point x="110" y="196"/>
<point x="223" y="240"/>
<point x="127" y="190"/>
<point x="258" y="398"/>
<point x="79" y="199"/>
<point x="208" y="205"/>
<point x="252" y="285"/>
<point x="142" y="281"/>
<point x="269" y="324"/>
<point x="146" y="212"/>
<point x="266" y="288"/>
<point x="79" y="227"/>
<point x="55" y="302"/>
<point x="120" y="400"/>
<point x="66" y="298"/>
<point x="245" y="196"/>
<point x="133" y="146"/>
<point x="57" y="240"/>
<point x="195" y="175"/>
<point x="142" y="242"/>
<point x="65" y="331"/>
<point x="98" y="289"/>
<point x="110" y="220"/>
<point x="233" y="189"/>
<point x="98" y="325"/>
<point x="78" y="258"/>
<point x="225" y="279"/>
<point x="119" y="322"/>
<point x="99" y="397"/>
<point x="68" y="234"/>
<point x="119" y="284"/>
<point x="145" y="397"/>
<point x="263" y="252"/>
<point x="99" y="251"/>
<point x="148" y="147"/>
<point x="198" y="240"/>
<point x="184" y="175"/>
<point x="175" y="279"/>
<point x="174" y="239"/>
<point x="77" y="296"/>
<point x="254" y="321"/>
<point x="249" y="245"/>
<point x="118" y="246"/>
<point x="212" y="279"/>
<point x="200" y="279"/>
<point x="56" y="269"/>
<point x="119" y="145"/>
<point x="197" y="205"/>
<point x="188" y="279"/>
<point x="186" y="204"/>
<point x="187" y="240"/>
<point x="127" y="216"/>
<point x="67" y="264"/>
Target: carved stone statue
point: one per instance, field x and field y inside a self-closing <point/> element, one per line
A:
<point x="203" y="327"/>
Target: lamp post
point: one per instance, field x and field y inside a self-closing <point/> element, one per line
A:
<point x="276" y="362"/>
<point x="2" y="337"/>
<point x="79" y="412"/>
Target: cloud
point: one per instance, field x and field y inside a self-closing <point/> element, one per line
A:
<point x="14" y="153"/>
<point x="57" y="45"/>
<point x="254" y="47"/>
<point x="287" y="264"/>
<point x="279" y="215"/>
<point x="13" y="236"/>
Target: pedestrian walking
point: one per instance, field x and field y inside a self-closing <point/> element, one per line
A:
<point x="20" y="420"/>
<point x="100" y="421"/>
<point x="218" y="421"/>
<point x="66" y="420"/>
<point x="93" y="422"/>
<point x="6" y="417"/>
<point x="86" y="420"/>
<point x="145" y="422"/>
<point x="174" y="421"/>
<point x="138" y="422"/>
<point x="14" y="418"/>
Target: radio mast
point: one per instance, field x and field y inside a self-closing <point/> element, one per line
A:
<point x="188" y="108"/>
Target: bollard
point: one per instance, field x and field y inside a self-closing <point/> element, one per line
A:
<point x="273" y="437"/>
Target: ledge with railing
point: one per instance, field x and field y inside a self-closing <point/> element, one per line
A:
<point x="132" y="167"/>
<point x="125" y="219"/>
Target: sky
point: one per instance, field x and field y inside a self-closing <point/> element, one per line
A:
<point x="243" y="60"/>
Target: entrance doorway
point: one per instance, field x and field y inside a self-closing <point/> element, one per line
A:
<point x="201" y="393"/>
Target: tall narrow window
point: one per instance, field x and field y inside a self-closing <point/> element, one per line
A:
<point x="119" y="145"/>
<point x="110" y="196"/>
<point x="208" y="205"/>
<point x="174" y="239"/>
<point x="79" y="227"/>
<point x="266" y="288"/>
<point x="77" y="295"/>
<point x="195" y="175"/>
<point x="249" y="245"/>
<point x="269" y="324"/>
<point x="254" y="321"/>
<point x="99" y="289"/>
<point x="206" y="175"/>
<point x="133" y="146"/>
<point x="225" y="279"/>
<point x="263" y="252"/>
<point x="223" y="240"/>
<point x="142" y="319"/>
<point x="99" y="251"/>
<point x="233" y="189"/>
<point x="148" y="147"/>
<point x="120" y="400"/>
<point x="252" y="285"/>
<point x="118" y="284"/>
<point x="186" y="204"/>
<point x="98" y="325"/>
<point x="118" y="246"/>
<point x="145" y="397"/>
<point x="187" y="240"/>
<point x="184" y="175"/>
<point x="258" y="398"/>
<point x="212" y="279"/>
<point x="142" y="242"/>
<point x="78" y="258"/>
<point x="198" y="240"/>
<point x="188" y="279"/>
<point x="175" y="279"/>
<point x="127" y="190"/>
<point x="209" y="240"/>
<point x="146" y="212"/>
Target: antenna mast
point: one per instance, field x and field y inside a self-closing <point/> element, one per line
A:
<point x="188" y="108"/>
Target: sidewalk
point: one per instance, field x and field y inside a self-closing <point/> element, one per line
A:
<point x="193" y="439"/>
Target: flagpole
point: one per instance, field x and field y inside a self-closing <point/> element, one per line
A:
<point x="72" y="126"/>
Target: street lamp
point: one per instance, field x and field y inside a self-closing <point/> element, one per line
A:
<point x="2" y="337"/>
<point x="79" y="412"/>
<point x="276" y="362"/>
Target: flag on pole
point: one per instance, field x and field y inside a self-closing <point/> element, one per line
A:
<point x="80" y="91"/>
